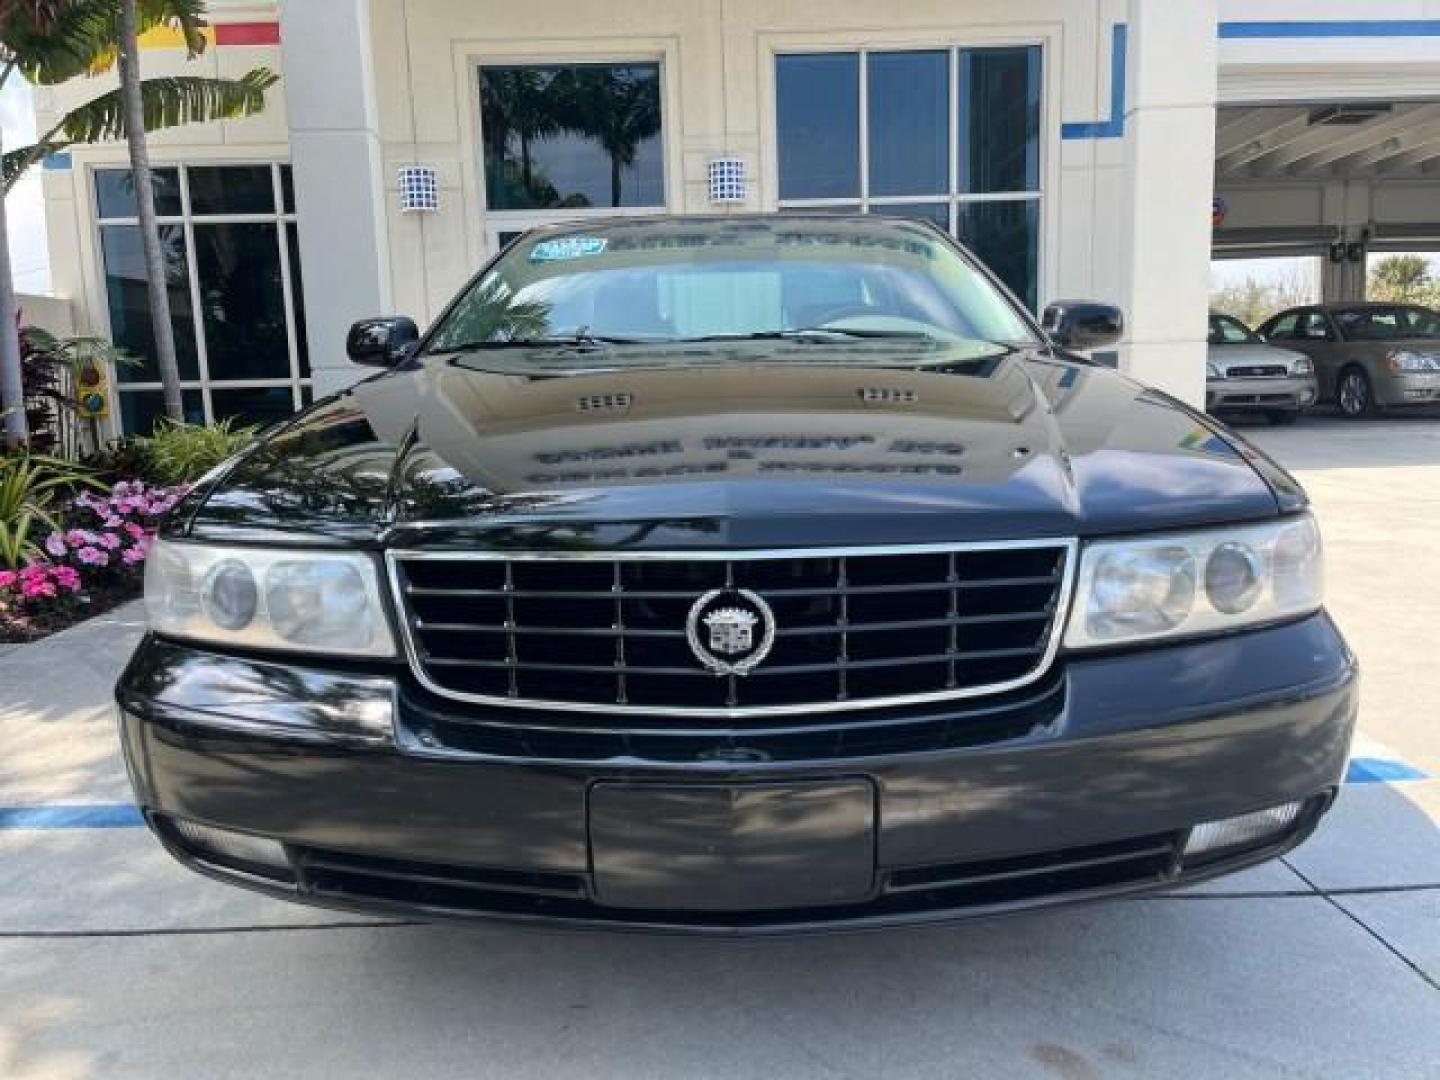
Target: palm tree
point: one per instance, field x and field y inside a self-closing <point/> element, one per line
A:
<point x="53" y="41"/>
<point x="617" y="107"/>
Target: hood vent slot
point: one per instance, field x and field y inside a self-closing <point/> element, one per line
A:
<point x="605" y="403"/>
<point x="888" y="395"/>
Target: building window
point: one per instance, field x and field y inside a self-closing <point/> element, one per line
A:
<point x="572" y="136"/>
<point x="232" y="266"/>
<point x="950" y="136"/>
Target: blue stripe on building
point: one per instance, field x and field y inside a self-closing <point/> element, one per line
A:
<point x="1336" y="28"/>
<point x="1114" y="127"/>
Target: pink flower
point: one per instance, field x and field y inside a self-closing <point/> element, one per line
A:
<point x="133" y="555"/>
<point x="67" y="577"/>
<point x="80" y="537"/>
<point x="37" y="587"/>
<point x="92" y="556"/>
<point x="8" y="579"/>
<point x="109" y="541"/>
<point x="55" y="545"/>
<point x="134" y="531"/>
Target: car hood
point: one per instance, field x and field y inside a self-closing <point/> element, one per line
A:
<point x="792" y="445"/>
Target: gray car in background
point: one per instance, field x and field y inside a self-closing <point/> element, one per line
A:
<point x="1244" y="374"/>
<point x="1368" y="356"/>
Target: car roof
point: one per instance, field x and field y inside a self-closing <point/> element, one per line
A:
<point x="719" y="222"/>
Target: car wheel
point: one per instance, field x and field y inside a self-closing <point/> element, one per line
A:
<point x="1283" y="417"/>
<point x="1354" y="395"/>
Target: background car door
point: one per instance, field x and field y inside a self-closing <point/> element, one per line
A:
<point x="1312" y="333"/>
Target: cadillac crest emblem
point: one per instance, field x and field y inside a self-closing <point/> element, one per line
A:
<point x="730" y="630"/>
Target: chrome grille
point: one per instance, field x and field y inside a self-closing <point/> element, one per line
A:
<point x="854" y="628"/>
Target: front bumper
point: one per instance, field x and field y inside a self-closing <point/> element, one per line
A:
<point x="1411" y="388"/>
<point x="1260" y="395"/>
<point x="1090" y="792"/>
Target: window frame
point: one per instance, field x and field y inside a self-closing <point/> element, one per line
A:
<point x="1043" y="197"/>
<point x="301" y="386"/>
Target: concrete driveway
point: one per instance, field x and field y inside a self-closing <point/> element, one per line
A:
<point x="116" y="963"/>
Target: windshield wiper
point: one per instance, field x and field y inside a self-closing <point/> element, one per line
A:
<point x="580" y="337"/>
<point x="813" y="333"/>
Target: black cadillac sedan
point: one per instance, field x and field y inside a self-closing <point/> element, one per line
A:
<point x="736" y="575"/>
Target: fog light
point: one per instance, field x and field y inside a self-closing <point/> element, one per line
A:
<point x="1307" y="398"/>
<point x="237" y="850"/>
<point x="1247" y="830"/>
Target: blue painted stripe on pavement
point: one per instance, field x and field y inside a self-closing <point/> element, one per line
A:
<point x="94" y="816"/>
<point x="1379" y="770"/>
<point x="1331" y="28"/>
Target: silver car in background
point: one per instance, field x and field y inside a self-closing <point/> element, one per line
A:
<point x="1244" y="374"/>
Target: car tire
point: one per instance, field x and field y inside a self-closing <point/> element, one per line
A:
<point x="1283" y="417"/>
<point x="1354" y="394"/>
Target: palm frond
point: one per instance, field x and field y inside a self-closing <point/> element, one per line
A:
<point x="15" y="162"/>
<point x="68" y="41"/>
<point x="171" y="102"/>
<point x="187" y="16"/>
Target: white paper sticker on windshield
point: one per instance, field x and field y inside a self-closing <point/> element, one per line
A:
<point x="567" y="247"/>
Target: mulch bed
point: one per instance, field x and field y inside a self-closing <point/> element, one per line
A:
<point x="19" y="629"/>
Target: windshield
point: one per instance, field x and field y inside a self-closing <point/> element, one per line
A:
<point x="637" y="283"/>
<point x="1226" y="330"/>
<point x="1388" y="323"/>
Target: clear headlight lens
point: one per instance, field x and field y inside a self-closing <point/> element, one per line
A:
<point x="266" y="599"/>
<point x="1405" y="360"/>
<point x="1195" y="583"/>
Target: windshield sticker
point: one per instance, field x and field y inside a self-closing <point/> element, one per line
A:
<point x="568" y="247"/>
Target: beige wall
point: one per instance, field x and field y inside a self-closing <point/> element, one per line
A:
<point x="52" y="313"/>
<point x="718" y="99"/>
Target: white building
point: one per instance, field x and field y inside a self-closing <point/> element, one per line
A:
<point x="1076" y="145"/>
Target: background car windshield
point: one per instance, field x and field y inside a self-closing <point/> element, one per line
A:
<point x="1225" y="330"/>
<point x="667" y="281"/>
<point x="1388" y="323"/>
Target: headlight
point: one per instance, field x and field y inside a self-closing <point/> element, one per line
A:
<point x="1303" y="366"/>
<point x="267" y="599"/>
<point x="1212" y="371"/>
<point x="1405" y="360"/>
<point x="1195" y="583"/>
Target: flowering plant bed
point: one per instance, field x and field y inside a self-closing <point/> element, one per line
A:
<point x="93" y="562"/>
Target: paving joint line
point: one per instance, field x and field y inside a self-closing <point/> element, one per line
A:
<point x="203" y="931"/>
<point x="1363" y="925"/>
<point x="261" y="928"/>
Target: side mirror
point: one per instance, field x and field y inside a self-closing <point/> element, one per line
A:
<point x="381" y="342"/>
<point x="1083" y="324"/>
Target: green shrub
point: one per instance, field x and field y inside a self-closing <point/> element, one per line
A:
<point x="182" y="453"/>
<point x="120" y="459"/>
<point x="29" y="487"/>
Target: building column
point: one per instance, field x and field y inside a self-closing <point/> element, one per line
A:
<point x="339" y="185"/>
<point x="1170" y="169"/>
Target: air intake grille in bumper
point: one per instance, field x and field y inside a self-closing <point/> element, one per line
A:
<point x="852" y="628"/>
<point x="1258" y="371"/>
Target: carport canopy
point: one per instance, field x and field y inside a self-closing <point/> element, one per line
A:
<point x="1333" y="179"/>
